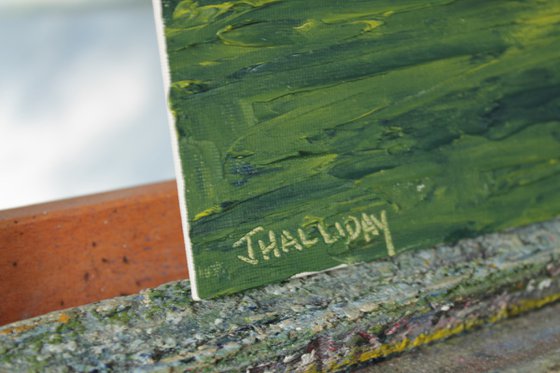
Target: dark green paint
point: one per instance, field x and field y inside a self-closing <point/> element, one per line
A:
<point x="446" y="114"/>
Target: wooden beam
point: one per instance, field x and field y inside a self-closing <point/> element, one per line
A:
<point x="81" y="250"/>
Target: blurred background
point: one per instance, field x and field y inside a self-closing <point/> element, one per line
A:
<point x="82" y="105"/>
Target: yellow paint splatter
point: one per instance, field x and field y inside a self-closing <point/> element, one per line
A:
<point x="16" y="329"/>
<point x="258" y="3"/>
<point x="182" y="84"/>
<point x="312" y="369"/>
<point x="192" y="10"/>
<point x="306" y="26"/>
<point x="208" y="63"/>
<point x="369" y="24"/>
<point x="538" y="25"/>
<point x="209" y="211"/>
<point x="63" y="318"/>
<point x="444" y="333"/>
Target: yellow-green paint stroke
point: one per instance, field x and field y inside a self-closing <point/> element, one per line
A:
<point x="443" y="113"/>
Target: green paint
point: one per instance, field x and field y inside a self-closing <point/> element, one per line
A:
<point x="297" y="114"/>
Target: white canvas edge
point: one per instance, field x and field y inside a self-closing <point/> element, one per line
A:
<point x="160" y="30"/>
<point x="305" y="274"/>
<point x="164" y="62"/>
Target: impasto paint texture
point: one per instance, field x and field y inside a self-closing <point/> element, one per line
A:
<point x="319" y="133"/>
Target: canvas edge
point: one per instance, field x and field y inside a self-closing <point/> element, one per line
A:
<point x="313" y="273"/>
<point x="180" y="177"/>
<point x="164" y="62"/>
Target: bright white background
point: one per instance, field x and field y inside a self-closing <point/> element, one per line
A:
<point x="82" y="106"/>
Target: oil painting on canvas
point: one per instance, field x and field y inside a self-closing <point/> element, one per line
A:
<point x="318" y="133"/>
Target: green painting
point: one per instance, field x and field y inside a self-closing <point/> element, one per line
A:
<point x="318" y="133"/>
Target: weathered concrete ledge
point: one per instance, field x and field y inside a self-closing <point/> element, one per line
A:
<point x="320" y="323"/>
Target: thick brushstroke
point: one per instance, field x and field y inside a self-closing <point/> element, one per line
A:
<point x="299" y="114"/>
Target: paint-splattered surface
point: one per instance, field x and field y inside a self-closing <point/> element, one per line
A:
<point x="326" y="322"/>
<point x="525" y="344"/>
<point x="303" y="123"/>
